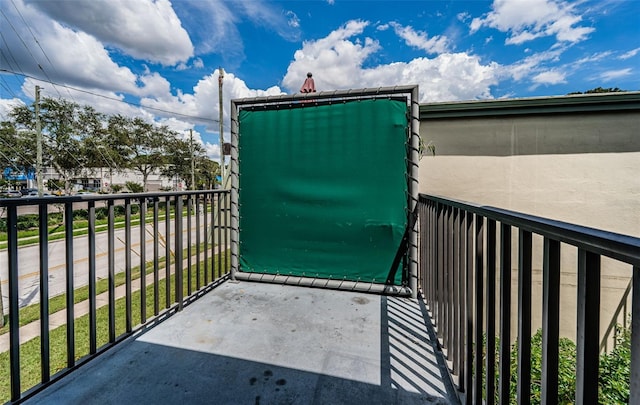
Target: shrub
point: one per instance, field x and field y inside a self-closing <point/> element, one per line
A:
<point x="615" y="370"/>
<point x="27" y="221"/>
<point x="134" y="187"/>
<point x="80" y="214"/>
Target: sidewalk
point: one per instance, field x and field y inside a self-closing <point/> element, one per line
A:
<point x="57" y="319"/>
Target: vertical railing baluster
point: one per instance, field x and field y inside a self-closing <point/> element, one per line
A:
<point x="439" y="314"/>
<point x="550" y="320"/>
<point x="127" y="263"/>
<point x="523" y="395"/>
<point x="455" y="326"/>
<point x="634" y="386"/>
<point x="450" y="289"/>
<point x="178" y="252"/>
<point x="504" y="386"/>
<point x="588" y="331"/>
<point x="207" y="233"/>
<point x="424" y="247"/>
<point x="436" y="258"/>
<point x="156" y="254"/>
<point x="112" y="272"/>
<point x="462" y="302"/>
<point x="167" y="250"/>
<point x="68" y="238"/>
<point x="469" y="287"/>
<point x="143" y="260"/>
<point x="14" y="295"/>
<point x="227" y="211"/>
<point x="429" y="263"/>
<point x="479" y="308"/>
<point x="433" y="259"/>
<point x="92" y="277"/>
<point x="491" y="312"/>
<point x="216" y="213"/>
<point x="444" y="319"/>
<point x="189" y="242"/>
<point x="43" y="242"/>
<point x="198" y="231"/>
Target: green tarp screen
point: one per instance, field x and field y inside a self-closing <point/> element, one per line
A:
<point x="323" y="189"/>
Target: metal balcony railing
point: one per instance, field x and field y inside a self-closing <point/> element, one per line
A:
<point x="181" y="243"/>
<point x="464" y="269"/>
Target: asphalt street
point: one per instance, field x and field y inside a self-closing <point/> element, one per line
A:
<point x="29" y="259"/>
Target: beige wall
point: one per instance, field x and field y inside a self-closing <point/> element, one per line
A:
<point x="582" y="168"/>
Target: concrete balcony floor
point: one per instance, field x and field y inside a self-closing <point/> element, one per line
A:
<point x="257" y="343"/>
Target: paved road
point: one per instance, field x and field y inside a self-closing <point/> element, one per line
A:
<point x="29" y="259"/>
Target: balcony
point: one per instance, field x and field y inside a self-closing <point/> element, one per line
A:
<point x="199" y="336"/>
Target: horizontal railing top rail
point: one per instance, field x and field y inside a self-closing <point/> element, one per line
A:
<point x="15" y="202"/>
<point x="609" y="244"/>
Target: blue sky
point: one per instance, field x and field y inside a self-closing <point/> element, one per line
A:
<point x="161" y="57"/>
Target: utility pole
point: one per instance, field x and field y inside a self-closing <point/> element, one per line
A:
<point x="193" y="164"/>
<point x="220" y="78"/>
<point x="39" y="145"/>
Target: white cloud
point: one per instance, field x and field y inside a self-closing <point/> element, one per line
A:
<point x="285" y="24"/>
<point x="550" y="77"/>
<point x="293" y="19"/>
<point x="463" y="17"/>
<point x="526" y="20"/>
<point x="203" y="102"/>
<point x="196" y="63"/>
<point x="8" y="104"/>
<point x="615" y="74"/>
<point x="337" y="58"/>
<point x="213" y="25"/>
<point x="331" y="2"/>
<point x="530" y="65"/>
<point x="337" y="62"/>
<point x="629" y="54"/>
<point x="420" y="39"/>
<point x="156" y="37"/>
<point x="64" y="55"/>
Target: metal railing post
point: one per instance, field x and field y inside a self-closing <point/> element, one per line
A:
<point x="588" y="331"/>
<point x="68" y="238"/>
<point x="523" y="391"/>
<point x="634" y="384"/>
<point x="43" y="242"/>
<point x="14" y="314"/>
<point x="550" y="320"/>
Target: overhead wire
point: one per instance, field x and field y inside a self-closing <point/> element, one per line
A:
<point x="28" y="50"/>
<point x="116" y="99"/>
<point x="39" y="46"/>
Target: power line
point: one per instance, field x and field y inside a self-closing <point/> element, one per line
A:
<point x="112" y="98"/>
<point x="39" y="46"/>
<point x="29" y="51"/>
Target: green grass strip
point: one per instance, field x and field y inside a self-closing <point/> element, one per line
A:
<point x="30" y="362"/>
<point x="31" y="313"/>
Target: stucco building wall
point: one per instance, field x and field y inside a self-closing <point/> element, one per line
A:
<point x="573" y="159"/>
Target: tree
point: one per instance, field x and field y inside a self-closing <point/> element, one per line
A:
<point x="600" y="90"/>
<point x="17" y="147"/>
<point x="114" y="147"/>
<point x="61" y="142"/>
<point x="206" y="172"/>
<point x="179" y="154"/>
<point x="145" y="147"/>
